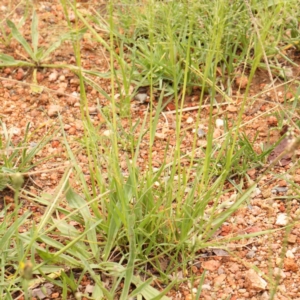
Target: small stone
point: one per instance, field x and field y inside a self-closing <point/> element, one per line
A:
<point x="202" y="143"/>
<point x="289" y="254"/>
<point x="93" y="110"/>
<point x="234" y="267"/>
<point x="254" y="281"/>
<point x="282" y="183"/>
<point x="62" y="78"/>
<point x="211" y="265"/>
<point x="250" y="254"/>
<point x="272" y="121"/>
<point x="265" y="296"/>
<point x="232" y="108"/>
<point x="279" y="189"/>
<point x="219" y="123"/>
<point x="290" y="265"/>
<point x="72" y="130"/>
<point x="219" y="279"/>
<point x="55" y="144"/>
<point x="266" y="193"/>
<point x="288" y="72"/>
<point x="20" y="74"/>
<point x="7" y="71"/>
<point x="53" y="110"/>
<point x="289" y="95"/>
<point x="141" y="97"/>
<point x="282" y="219"/>
<point x="297" y="178"/>
<point x="190" y="120"/>
<point x="279" y="272"/>
<point x="206" y="287"/>
<point x="160" y="136"/>
<point x="39" y="77"/>
<point x="217" y="133"/>
<point x="292" y="239"/>
<point x="242" y="81"/>
<point x="53" y="76"/>
<point x="201" y="133"/>
<point x="107" y="133"/>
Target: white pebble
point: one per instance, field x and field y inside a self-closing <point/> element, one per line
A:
<point x="282" y="220"/>
<point x="190" y="120"/>
<point x="107" y="132"/>
<point x="289" y="254"/>
<point x="219" y="123"/>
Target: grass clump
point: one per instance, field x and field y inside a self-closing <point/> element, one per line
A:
<point x="130" y="225"/>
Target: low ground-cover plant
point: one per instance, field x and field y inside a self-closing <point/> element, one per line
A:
<point x="18" y="157"/>
<point x="38" y="57"/>
<point x="129" y="225"/>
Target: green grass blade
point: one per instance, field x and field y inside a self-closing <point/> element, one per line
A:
<point x="12" y="229"/>
<point x="76" y="201"/>
<point x="132" y="254"/>
<point x="18" y="36"/>
<point x="34" y="34"/>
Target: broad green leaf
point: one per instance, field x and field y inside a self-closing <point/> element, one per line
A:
<point x="97" y="292"/>
<point x="6" y="58"/>
<point x="9" y="61"/>
<point x="76" y="201"/>
<point x="18" y="36"/>
<point x="34" y="33"/>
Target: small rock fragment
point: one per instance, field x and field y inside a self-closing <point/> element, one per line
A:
<point x="141" y="97"/>
<point x="217" y="133"/>
<point x="289" y="254"/>
<point x="53" y="76"/>
<point x="20" y="74"/>
<point x="219" y="279"/>
<point x="93" y="110"/>
<point x="282" y="219"/>
<point x="190" y="120"/>
<point x="242" y="81"/>
<point x="72" y="130"/>
<point x="254" y="281"/>
<point x="292" y="239"/>
<point x="107" y="133"/>
<point x="219" y="123"/>
<point x="201" y="133"/>
<point x="279" y="189"/>
<point x="250" y="254"/>
<point x="272" y="121"/>
<point x="279" y="272"/>
<point x="288" y="72"/>
<point x="290" y="265"/>
<point x="53" y="110"/>
<point x="211" y="265"/>
<point x="232" y="108"/>
<point x="160" y="136"/>
<point x="202" y="143"/>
